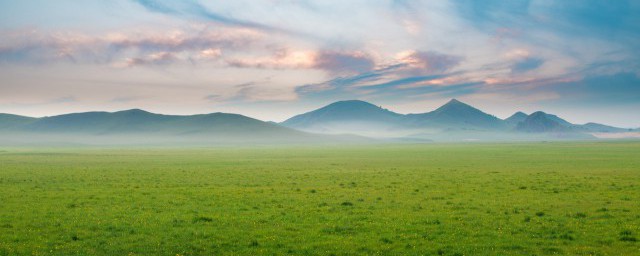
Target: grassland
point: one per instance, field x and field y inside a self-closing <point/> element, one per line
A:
<point x="446" y="199"/>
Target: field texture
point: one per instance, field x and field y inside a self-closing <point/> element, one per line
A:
<point x="447" y="199"/>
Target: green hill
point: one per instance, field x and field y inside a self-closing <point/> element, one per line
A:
<point x="141" y="127"/>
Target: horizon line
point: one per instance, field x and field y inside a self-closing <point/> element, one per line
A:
<point x="325" y="105"/>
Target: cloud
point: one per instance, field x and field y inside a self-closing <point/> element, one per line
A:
<point x="489" y="12"/>
<point x="205" y="41"/>
<point x="429" y="62"/>
<point x="213" y="97"/>
<point x="590" y="19"/>
<point x="280" y="59"/>
<point x="133" y="48"/>
<point x="157" y="6"/>
<point x="124" y="99"/>
<point x="526" y="64"/>
<point x="65" y="99"/>
<point x="235" y="47"/>
<point x="193" y="9"/>
<point x="160" y="58"/>
<point x="617" y="88"/>
<point x="403" y="82"/>
<point x="412" y="72"/>
<point x="333" y="62"/>
<point x="336" y="62"/>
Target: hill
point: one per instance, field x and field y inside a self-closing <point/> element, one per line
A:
<point x="141" y="127"/>
<point x="9" y="121"/>
<point x="352" y="116"/>
<point x="453" y="121"/>
<point x="342" y="121"/>
<point x="542" y="122"/>
<point x="601" y="128"/>
<point x="515" y="119"/>
<point x="456" y="115"/>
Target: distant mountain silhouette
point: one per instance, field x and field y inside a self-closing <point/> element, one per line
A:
<point x="453" y="121"/>
<point x="595" y="127"/>
<point x="557" y="119"/>
<point x="516" y="118"/>
<point x="543" y="122"/>
<point x="9" y="121"/>
<point x="356" y="116"/>
<point x="457" y="115"/>
<point x="136" y="124"/>
<point x="350" y="116"/>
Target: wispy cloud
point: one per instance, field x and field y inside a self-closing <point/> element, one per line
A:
<point x="410" y="72"/>
<point x="133" y="48"/>
<point x="527" y="64"/>
<point x="193" y="9"/>
<point x="65" y="99"/>
<point x="333" y="62"/>
<point x="427" y="62"/>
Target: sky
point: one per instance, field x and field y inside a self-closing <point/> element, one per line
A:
<point x="273" y="59"/>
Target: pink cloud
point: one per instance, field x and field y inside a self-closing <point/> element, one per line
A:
<point x="429" y="62"/>
<point x="334" y="62"/>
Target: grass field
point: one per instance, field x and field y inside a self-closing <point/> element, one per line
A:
<point x="444" y="199"/>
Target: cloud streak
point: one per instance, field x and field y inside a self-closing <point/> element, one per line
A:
<point x="193" y="9"/>
<point x="136" y="48"/>
<point x="527" y="64"/>
<point x="411" y="72"/>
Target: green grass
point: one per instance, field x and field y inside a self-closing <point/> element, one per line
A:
<point x="446" y="199"/>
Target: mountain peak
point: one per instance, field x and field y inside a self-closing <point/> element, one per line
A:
<point x="456" y="114"/>
<point x="454" y="101"/>
<point x="456" y="105"/>
<point x="517" y="116"/>
<point x="351" y="104"/>
<point x="133" y="111"/>
<point x="540" y="122"/>
<point x="343" y="113"/>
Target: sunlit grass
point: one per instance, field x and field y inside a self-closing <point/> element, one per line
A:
<point x="449" y="199"/>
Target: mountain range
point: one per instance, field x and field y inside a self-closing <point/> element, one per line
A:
<point x="454" y="120"/>
<point x="139" y="127"/>
<point x="343" y="121"/>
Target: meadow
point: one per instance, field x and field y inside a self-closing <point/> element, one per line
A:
<point x="567" y="198"/>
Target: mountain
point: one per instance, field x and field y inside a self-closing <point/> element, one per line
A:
<point x="456" y="115"/>
<point x="557" y="119"/>
<point x="128" y="121"/>
<point x="601" y="128"/>
<point x="141" y="127"/>
<point x="453" y="121"/>
<point x="514" y="119"/>
<point x="9" y="121"/>
<point x="140" y="121"/>
<point x="352" y="116"/>
<point x="539" y="122"/>
<point x="342" y="121"/>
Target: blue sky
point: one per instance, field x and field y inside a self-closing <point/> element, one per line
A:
<point x="271" y="59"/>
